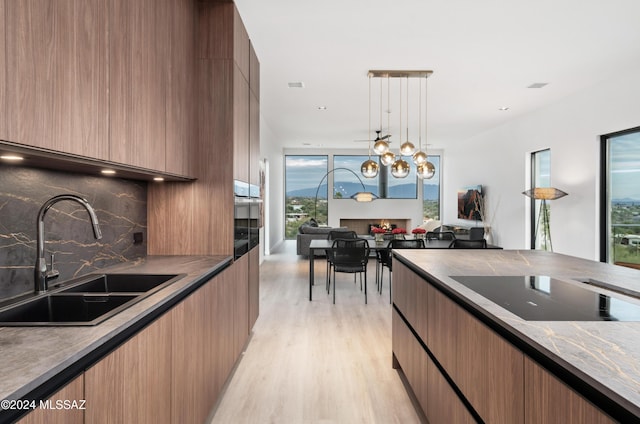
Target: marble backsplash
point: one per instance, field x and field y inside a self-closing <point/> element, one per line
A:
<point x="120" y="205"/>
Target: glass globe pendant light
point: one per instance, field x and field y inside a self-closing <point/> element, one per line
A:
<point x="369" y="168"/>
<point x="387" y="158"/>
<point x="400" y="167"/>
<point x="426" y="171"/>
<point x="380" y="146"/>
<point x="407" y="148"/>
<point x="419" y="157"/>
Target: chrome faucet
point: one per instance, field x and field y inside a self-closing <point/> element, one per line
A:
<point x="41" y="274"/>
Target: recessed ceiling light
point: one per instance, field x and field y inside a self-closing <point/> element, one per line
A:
<point x="158" y="179"/>
<point x="503" y="108"/>
<point x="108" y="171"/>
<point x="322" y="108"/>
<point x="9" y="157"/>
<point x="538" y="85"/>
<point x="296" y="84"/>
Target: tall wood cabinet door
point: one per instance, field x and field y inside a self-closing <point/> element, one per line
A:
<point x="57" y="75"/>
<point x="181" y="105"/>
<point x="74" y="391"/>
<point x="133" y="383"/>
<point x="138" y="56"/>
<point x="254" y="139"/>
<point x="254" y="72"/>
<point x="192" y="396"/>
<point x="240" y="126"/>
<point x="548" y="399"/>
<point x="254" y="285"/>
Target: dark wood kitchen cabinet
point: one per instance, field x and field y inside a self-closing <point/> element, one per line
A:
<point x="103" y="79"/>
<point x="209" y="334"/>
<point x="73" y="391"/>
<point x="467" y="360"/>
<point x="57" y="75"/>
<point x="133" y="383"/>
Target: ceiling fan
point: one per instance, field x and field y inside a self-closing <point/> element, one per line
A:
<point x="378" y="138"/>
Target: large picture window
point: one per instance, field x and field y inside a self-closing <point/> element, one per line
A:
<point x="540" y="177"/>
<point x="302" y="176"/>
<point x="385" y="186"/>
<point x="620" y="198"/>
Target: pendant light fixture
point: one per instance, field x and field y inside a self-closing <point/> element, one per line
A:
<point x="400" y="168"/>
<point x="369" y="167"/>
<point x="419" y="157"/>
<point x="425" y="170"/>
<point x="381" y="146"/>
<point x="407" y="148"/>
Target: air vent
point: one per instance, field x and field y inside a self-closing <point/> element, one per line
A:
<point x="538" y="85"/>
<point x="298" y="84"/>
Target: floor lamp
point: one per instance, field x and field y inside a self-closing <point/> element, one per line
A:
<point x="544" y="194"/>
<point x="361" y="196"/>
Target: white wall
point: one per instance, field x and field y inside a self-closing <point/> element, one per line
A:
<point x="274" y="204"/>
<point x="498" y="159"/>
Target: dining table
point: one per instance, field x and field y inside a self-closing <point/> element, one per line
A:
<point x="323" y="245"/>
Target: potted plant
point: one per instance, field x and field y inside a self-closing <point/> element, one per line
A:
<point x="399" y="233"/>
<point x="419" y="232"/>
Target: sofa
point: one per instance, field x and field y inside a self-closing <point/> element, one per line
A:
<point x="308" y="232"/>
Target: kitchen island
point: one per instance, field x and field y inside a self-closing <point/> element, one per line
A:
<point x="471" y="359"/>
<point x="139" y="365"/>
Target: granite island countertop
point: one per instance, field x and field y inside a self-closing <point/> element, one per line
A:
<point x="33" y="356"/>
<point x="603" y="354"/>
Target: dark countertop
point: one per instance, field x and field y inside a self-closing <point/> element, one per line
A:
<point x="602" y="356"/>
<point x="33" y="356"/>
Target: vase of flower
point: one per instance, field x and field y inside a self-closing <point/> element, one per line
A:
<point x="398" y="233"/>
<point x="378" y="234"/>
<point x="419" y="233"/>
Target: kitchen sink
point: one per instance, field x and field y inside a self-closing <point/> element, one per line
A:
<point x="122" y="283"/>
<point x="86" y="301"/>
<point x="61" y="309"/>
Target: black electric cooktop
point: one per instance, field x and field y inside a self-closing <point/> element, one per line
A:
<point x="542" y="298"/>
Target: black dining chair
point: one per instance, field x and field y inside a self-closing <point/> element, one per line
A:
<point x="334" y="235"/>
<point x="476" y="233"/>
<point x="385" y="258"/>
<point x="440" y="235"/>
<point x="468" y="244"/>
<point x="350" y="256"/>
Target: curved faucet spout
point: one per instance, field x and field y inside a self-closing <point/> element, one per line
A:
<point x="41" y="275"/>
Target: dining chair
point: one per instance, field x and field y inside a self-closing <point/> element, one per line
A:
<point x="350" y="256"/>
<point x="440" y="235"/>
<point x="386" y="258"/>
<point x="334" y="235"/>
<point x="476" y="233"/>
<point x="468" y="244"/>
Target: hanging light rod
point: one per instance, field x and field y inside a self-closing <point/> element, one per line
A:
<point x="399" y="74"/>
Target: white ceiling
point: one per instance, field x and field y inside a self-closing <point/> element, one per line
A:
<point x="484" y="55"/>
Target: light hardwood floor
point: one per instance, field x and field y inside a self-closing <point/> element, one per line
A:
<point x="315" y="362"/>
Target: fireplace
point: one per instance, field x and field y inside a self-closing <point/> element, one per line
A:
<point x="360" y="226"/>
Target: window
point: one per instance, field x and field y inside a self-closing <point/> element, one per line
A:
<point x="302" y="176"/>
<point x="431" y="192"/>
<point x="620" y="198"/>
<point x="345" y="183"/>
<point x="540" y="177"/>
<point x="385" y="186"/>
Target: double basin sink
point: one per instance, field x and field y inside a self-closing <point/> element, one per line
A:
<point x="87" y="301"/>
